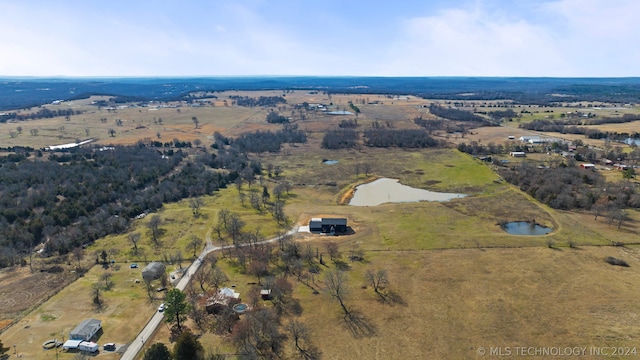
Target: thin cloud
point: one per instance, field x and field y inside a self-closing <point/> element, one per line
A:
<point x="471" y="42"/>
<point x="466" y="38"/>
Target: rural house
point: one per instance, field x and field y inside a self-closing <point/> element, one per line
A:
<point x="153" y="271"/>
<point x="328" y="225"/>
<point x="85" y="330"/>
<point x="225" y="297"/>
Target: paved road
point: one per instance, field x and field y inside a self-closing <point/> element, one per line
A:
<point x="134" y="347"/>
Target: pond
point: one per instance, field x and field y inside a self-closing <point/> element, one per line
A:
<point x="391" y="191"/>
<point x="525" y="228"/>
<point x="632" y="141"/>
<point x="329" y="162"/>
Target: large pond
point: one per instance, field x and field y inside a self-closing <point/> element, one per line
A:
<point x="525" y="228"/>
<point x="391" y="191"/>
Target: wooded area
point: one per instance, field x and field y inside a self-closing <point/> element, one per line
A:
<point x="67" y="205"/>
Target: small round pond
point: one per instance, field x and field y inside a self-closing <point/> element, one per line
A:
<point x="240" y="308"/>
<point x="525" y="228"/>
<point x="391" y="191"/>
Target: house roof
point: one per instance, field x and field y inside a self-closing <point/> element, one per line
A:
<point x="334" y="221"/>
<point x="86" y="328"/>
<point x="230" y="293"/>
<point x="154" y="270"/>
<point x="223" y="297"/>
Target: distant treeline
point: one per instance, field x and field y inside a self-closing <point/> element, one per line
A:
<point x="275" y="118"/>
<point x="22" y="93"/>
<point x="503" y="114"/>
<point x="267" y="141"/>
<point x="340" y="139"/>
<point x="40" y="114"/>
<point x="346" y="138"/>
<point x="458" y="115"/>
<point x="602" y="93"/>
<point x="570" y="126"/>
<point x="127" y="99"/>
<point x="406" y="138"/>
<point x="260" y="101"/>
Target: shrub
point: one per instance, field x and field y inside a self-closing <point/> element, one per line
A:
<point x="614" y="261"/>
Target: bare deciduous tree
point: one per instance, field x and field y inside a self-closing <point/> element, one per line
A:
<point x="302" y="344"/>
<point x="336" y="285"/>
<point x="223" y="217"/>
<point x="154" y="227"/>
<point x="106" y="277"/>
<point x="195" y="243"/>
<point x="332" y="250"/>
<point x="202" y="277"/>
<point x="134" y="238"/>
<point x="96" y="290"/>
<point x="257" y="335"/>
<point x="195" y="203"/>
<point x="78" y="254"/>
<point x="218" y="278"/>
<point x="377" y="279"/>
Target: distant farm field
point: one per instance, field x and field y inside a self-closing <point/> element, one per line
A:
<point x="461" y="282"/>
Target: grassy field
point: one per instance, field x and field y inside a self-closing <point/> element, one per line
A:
<point x="462" y="282"/>
<point x="456" y="301"/>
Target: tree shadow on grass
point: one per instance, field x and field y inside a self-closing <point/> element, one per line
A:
<point x="391" y="297"/>
<point x="359" y="325"/>
<point x="99" y="308"/>
<point x="341" y="265"/>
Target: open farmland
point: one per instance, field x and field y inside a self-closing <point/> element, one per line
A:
<point x="462" y="282"/>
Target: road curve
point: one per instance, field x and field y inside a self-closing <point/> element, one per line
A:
<point x="136" y="345"/>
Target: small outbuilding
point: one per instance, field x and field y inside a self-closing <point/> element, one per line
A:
<point x="86" y="330"/>
<point x="588" y="166"/>
<point x="71" y="344"/>
<point x="153" y="271"/>
<point x="265" y="294"/>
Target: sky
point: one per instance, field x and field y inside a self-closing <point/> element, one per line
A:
<point x="532" y="38"/>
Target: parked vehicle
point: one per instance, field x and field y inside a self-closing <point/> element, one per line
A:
<point x="161" y="307"/>
<point x="88" y="346"/>
<point x="109" y="347"/>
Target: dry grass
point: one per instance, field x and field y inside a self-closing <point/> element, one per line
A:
<point x="459" y="300"/>
<point x="122" y="316"/>
<point x="463" y="281"/>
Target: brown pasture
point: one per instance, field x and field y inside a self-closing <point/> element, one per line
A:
<point x="462" y="283"/>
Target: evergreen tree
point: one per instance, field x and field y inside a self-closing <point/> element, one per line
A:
<point x="157" y="351"/>
<point x="188" y="347"/>
<point x="177" y="308"/>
